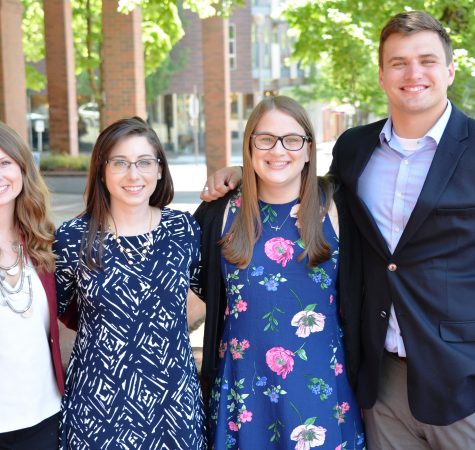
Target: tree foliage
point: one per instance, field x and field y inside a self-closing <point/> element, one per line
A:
<point x="339" y="40"/>
<point x="161" y="25"/>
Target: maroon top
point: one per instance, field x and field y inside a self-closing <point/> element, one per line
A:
<point x="47" y="279"/>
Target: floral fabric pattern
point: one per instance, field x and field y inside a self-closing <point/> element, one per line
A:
<point x="282" y="382"/>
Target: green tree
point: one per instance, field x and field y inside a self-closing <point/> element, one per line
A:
<point x="338" y="40"/>
<point x="162" y="29"/>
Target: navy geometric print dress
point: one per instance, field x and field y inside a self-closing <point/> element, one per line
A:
<point x="282" y="381"/>
<point x="132" y="381"/>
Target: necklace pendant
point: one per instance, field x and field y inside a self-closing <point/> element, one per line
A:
<point x="13" y="270"/>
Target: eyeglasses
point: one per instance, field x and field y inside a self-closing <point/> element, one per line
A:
<point x="291" y="142"/>
<point x="142" y="165"/>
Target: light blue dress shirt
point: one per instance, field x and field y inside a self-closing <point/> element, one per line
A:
<point x="390" y="186"/>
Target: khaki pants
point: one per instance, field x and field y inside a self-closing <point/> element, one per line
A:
<point x="391" y="426"/>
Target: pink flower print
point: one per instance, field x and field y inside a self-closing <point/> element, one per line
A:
<point x="308" y="436"/>
<point x="237" y="202"/>
<point x="340" y="411"/>
<point x="245" y="416"/>
<point x="308" y="322"/>
<point x="294" y="213"/>
<point x="338" y="448"/>
<point x="237" y="348"/>
<point x="338" y="368"/>
<point x="226" y="312"/>
<point x="280" y="361"/>
<point x="331" y="299"/>
<point x="241" y="306"/>
<point x="279" y="250"/>
<point x="232" y="426"/>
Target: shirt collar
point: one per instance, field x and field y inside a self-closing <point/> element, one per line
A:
<point x="435" y="132"/>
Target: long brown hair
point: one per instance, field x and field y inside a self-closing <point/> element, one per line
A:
<point x="238" y="244"/>
<point x="31" y="215"/>
<point x="97" y="195"/>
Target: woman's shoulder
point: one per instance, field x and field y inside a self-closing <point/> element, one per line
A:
<point x="73" y="228"/>
<point x="173" y="218"/>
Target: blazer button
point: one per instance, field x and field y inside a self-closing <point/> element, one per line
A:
<point x="392" y="267"/>
<point x="383" y="314"/>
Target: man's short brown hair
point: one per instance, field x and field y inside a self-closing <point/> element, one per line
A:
<point x="412" y="22"/>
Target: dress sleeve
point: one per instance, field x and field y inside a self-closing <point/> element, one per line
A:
<point x="66" y="247"/>
<point x="195" y="266"/>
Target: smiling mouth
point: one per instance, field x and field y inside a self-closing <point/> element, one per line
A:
<point x="4" y="188"/>
<point x="132" y="188"/>
<point x="277" y="164"/>
<point x="414" y="88"/>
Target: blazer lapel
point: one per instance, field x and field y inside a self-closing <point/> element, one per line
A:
<point x="366" y="224"/>
<point x="362" y="155"/>
<point x="446" y="158"/>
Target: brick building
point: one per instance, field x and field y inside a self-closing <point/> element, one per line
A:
<point x="259" y="50"/>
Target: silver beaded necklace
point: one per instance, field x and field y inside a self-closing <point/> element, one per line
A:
<point x="14" y="268"/>
<point x="6" y="291"/>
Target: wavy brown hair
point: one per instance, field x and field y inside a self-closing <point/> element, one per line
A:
<point x="315" y="194"/>
<point x="31" y="216"/>
<point x="97" y="195"/>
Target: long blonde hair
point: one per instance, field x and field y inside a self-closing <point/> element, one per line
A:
<point x="31" y="215"/>
<point x="315" y="194"/>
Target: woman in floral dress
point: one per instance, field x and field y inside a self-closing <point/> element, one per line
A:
<point x="280" y="380"/>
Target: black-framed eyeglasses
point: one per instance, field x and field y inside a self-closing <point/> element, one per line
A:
<point x="146" y="165"/>
<point x="291" y="142"/>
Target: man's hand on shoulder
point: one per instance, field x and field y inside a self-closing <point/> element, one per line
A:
<point x="221" y="182"/>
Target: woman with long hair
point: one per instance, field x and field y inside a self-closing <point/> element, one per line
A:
<point x="127" y="261"/>
<point x="273" y="343"/>
<point x="30" y="361"/>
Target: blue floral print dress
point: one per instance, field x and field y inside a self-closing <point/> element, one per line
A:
<point x="282" y="382"/>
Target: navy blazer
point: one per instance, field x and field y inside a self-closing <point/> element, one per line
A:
<point x="430" y="277"/>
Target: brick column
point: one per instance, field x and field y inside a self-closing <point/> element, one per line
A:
<point x="123" y="64"/>
<point x="216" y="87"/>
<point x="63" y="116"/>
<point x="12" y="68"/>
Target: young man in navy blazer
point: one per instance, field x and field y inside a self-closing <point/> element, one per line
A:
<point x="407" y="248"/>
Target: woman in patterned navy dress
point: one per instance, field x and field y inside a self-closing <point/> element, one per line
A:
<point x="128" y="262"/>
<point x="281" y="381"/>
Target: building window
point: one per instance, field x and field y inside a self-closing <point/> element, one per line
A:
<point x="232" y="46"/>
